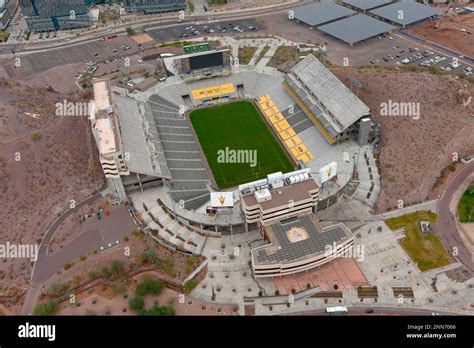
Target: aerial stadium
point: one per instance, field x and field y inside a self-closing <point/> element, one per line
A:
<point x="219" y="148"/>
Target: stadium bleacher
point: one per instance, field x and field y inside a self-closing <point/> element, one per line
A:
<point x="189" y="184"/>
<point x="285" y="132"/>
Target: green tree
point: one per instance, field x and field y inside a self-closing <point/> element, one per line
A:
<point x="149" y="286"/>
<point x="136" y="304"/>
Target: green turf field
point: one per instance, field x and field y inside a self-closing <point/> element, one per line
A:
<point x="466" y="205"/>
<point x="238" y="126"/>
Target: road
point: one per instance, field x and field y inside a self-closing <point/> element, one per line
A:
<point x="446" y="222"/>
<point x="379" y="311"/>
<point x="35" y="286"/>
<point x="31" y="47"/>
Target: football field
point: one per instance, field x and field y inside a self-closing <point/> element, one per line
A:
<point x="238" y="144"/>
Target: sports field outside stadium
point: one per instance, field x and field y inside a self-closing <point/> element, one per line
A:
<point x="238" y="144"/>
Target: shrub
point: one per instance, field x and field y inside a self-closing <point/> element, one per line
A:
<point x="149" y="286"/>
<point x="36" y="136"/>
<point x="189" y="286"/>
<point x="148" y="256"/>
<point x="58" y="289"/>
<point x="159" y="311"/>
<point x="92" y="275"/>
<point x="117" y="268"/>
<point x="136" y="303"/>
<point x="50" y="308"/>
<point x="105" y="272"/>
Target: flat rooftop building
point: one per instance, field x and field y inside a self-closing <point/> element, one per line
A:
<point x="280" y="196"/>
<point x="298" y="244"/>
<point x="49" y="15"/>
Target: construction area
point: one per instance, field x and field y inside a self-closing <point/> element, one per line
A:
<point x="454" y="31"/>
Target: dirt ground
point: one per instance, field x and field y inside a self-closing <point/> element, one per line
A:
<point x="135" y="245"/>
<point x="45" y="161"/>
<point x="450" y="34"/>
<point x="50" y="77"/>
<point x="93" y="304"/>
<point x="414" y="152"/>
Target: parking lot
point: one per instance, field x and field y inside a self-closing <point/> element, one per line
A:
<point x="403" y="54"/>
<point x="363" y="53"/>
<point x="82" y="53"/>
<point x="205" y="29"/>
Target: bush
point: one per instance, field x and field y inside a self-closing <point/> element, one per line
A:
<point x="50" y="308"/>
<point x="136" y="303"/>
<point x="167" y="266"/>
<point x="36" y="136"/>
<point x="67" y="266"/>
<point x="159" y="311"/>
<point x="105" y="272"/>
<point x="148" y="256"/>
<point x="117" y="268"/>
<point x="92" y="275"/>
<point x="149" y="286"/>
<point x="189" y="286"/>
<point x="130" y="31"/>
<point x="58" y="289"/>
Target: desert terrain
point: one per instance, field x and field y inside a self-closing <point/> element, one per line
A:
<point x="414" y="152"/>
<point x="45" y="162"/>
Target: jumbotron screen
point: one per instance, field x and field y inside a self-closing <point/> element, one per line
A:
<point x="206" y="60"/>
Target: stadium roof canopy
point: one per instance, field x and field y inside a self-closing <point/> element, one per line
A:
<point x="405" y="12"/>
<point x="367" y="4"/>
<point x="146" y="154"/>
<point x="356" y="28"/>
<point x="321" y="12"/>
<point x="343" y="105"/>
